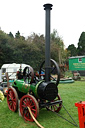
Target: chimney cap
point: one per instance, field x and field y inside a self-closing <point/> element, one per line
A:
<point x="47" y="6"/>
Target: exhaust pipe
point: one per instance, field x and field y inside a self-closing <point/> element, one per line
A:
<point x="47" y="8"/>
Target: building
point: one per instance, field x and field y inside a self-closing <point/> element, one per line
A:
<point x="77" y="63"/>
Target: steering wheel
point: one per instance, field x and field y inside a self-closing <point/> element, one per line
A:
<point x="28" y="74"/>
<point x="54" y="71"/>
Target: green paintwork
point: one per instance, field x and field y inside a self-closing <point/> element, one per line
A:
<point x="37" y="87"/>
<point x="25" y="88"/>
<point x="21" y="85"/>
<point x="76" y="64"/>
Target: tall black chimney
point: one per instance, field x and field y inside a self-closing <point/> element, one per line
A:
<point x="47" y="7"/>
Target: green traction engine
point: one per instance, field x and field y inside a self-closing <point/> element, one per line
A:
<point x="37" y="90"/>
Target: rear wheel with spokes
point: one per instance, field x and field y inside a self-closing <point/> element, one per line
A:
<point x="12" y="99"/>
<point x="57" y="107"/>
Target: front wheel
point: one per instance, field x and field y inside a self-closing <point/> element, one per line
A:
<point x="29" y="101"/>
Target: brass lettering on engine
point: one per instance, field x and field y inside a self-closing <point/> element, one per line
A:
<point x="26" y="85"/>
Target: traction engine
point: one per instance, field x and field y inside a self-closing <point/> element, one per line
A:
<point x="37" y="90"/>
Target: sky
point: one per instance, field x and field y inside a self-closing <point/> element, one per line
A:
<point x="28" y="16"/>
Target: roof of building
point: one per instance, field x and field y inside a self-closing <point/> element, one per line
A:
<point x="73" y="57"/>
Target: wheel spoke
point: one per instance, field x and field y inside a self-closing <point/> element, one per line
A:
<point x="42" y="69"/>
<point x="10" y="102"/>
<point x="54" y="108"/>
<point x="51" y="107"/>
<point x="24" y="106"/>
<point x="12" y="106"/>
<point x="32" y="106"/>
<point x="33" y="114"/>
<point x="26" y="115"/>
<point x="9" y="95"/>
<point x="14" y="99"/>
<point x="34" y="110"/>
<point x="24" y="102"/>
<point x="14" y="103"/>
<point x="53" y="78"/>
<point x="30" y="103"/>
<point x="53" y="69"/>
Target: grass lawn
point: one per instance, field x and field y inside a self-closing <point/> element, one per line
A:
<point x="70" y="94"/>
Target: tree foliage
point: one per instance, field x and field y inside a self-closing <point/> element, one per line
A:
<point x="81" y="44"/>
<point x="57" y="48"/>
<point x="80" y="50"/>
<point x="72" y="49"/>
<point x="31" y="50"/>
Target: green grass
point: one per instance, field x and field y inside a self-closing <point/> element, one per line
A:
<point x="70" y="94"/>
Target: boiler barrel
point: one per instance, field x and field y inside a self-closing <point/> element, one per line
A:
<point x="45" y="90"/>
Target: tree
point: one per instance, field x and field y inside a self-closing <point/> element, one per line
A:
<point x="30" y="51"/>
<point x="36" y="52"/>
<point x="11" y="35"/>
<point x="57" y="47"/>
<point x="5" y="48"/>
<point x="81" y="44"/>
<point x="72" y="49"/>
<point x="17" y="35"/>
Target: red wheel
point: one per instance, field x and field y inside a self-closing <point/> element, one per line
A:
<point x="57" y="107"/>
<point x="29" y="101"/>
<point x="12" y="99"/>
